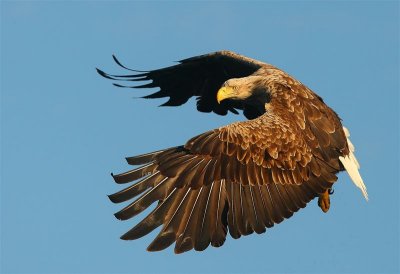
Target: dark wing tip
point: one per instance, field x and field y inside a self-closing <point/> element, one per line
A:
<point x="121" y="178"/>
<point x="184" y="246"/>
<point x="115" y="59"/>
<point x="102" y="73"/>
<point x="120" y="86"/>
<point x="162" y="241"/>
<point x="121" y="216"/>
<point x="122" y="66"/>
<point x="112" y="198"/>
<point x="125" y="237"/>
<point x="116" y="178"/>
<point x="119" y="63"/>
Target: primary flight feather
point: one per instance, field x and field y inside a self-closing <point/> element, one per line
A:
<point x="243" y="177"/>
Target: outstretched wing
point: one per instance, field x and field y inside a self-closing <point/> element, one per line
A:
<point x="243" y="177"/>
<point x="199" y="76"/>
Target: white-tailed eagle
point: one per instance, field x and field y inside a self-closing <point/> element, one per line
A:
<point x="243" y="177"/>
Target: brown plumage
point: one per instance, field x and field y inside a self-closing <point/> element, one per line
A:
<point x="244" y="177"/>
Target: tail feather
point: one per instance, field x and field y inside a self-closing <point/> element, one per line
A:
<point x="352" y="166"/>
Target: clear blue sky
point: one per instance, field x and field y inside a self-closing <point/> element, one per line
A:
<point x="64" y="129"/>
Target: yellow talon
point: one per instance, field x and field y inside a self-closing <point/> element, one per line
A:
<point x="324" y="201"/>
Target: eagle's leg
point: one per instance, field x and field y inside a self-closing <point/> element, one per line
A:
<point x="324" y="201"/>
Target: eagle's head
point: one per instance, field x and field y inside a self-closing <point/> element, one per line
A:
<point x="251" y="90"/>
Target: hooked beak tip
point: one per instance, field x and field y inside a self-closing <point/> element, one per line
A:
<point x="223" y="93"/>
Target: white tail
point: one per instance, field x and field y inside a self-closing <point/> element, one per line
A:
<point x="352" y="166"/>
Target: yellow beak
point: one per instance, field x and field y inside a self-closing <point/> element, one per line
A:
<point x="224" y="93"/>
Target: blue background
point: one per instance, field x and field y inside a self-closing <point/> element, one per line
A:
<point x="64" y="129"/>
